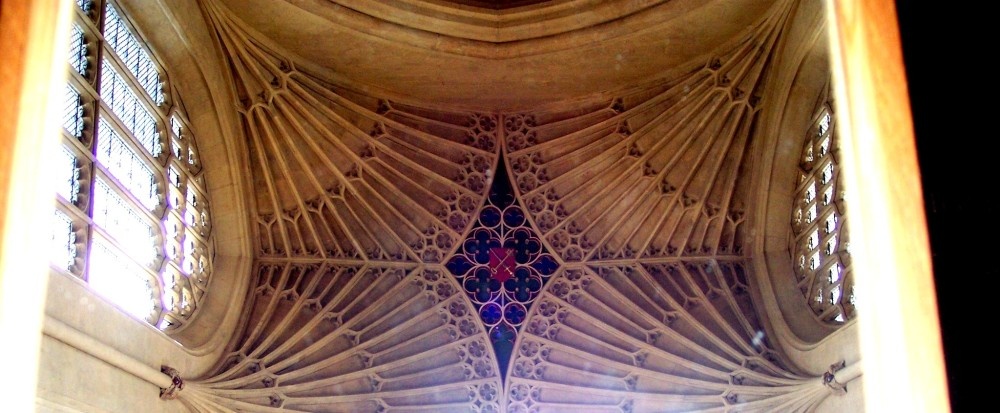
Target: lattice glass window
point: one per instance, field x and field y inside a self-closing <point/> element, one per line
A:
<point x="132" y="55"/>
<point x="126" y="164"/>
<point x="114" y="275"/>
<point x="78" y="50"/>
<point x="67" y="176"/>
<point x="136" y="116"/>
<point x="63" y="241"/>
<point x="73" y="112"/>
<point x="131" y="217"/>
<point x="820" y="242"/>
<point x="125" y="223"/>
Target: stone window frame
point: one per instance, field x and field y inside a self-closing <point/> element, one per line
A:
<point x="819" y="243"/>
<point x="176" y="209"/>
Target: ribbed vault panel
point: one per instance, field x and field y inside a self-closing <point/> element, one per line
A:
<point x="345" y="176"/>
<point x="656" y="173"/>
<point x="321" y="338"/>
<point x="638" y="202"/>
<point x="665" y="338"/>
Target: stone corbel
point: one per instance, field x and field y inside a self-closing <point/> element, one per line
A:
<point x="830" y="378"/>
<point x="176" y="383"/>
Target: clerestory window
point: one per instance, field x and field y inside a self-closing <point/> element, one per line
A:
<point x="820" y="248"/>
<point x="132" y="216"/>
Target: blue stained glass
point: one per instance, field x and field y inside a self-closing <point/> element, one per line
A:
<point x="503" y="333"/>
<point x="478" y="245"/>
<point x="502" y="337"/>
<point x="523" y="285"/>
<point x="515" y="313"/>
<point x="502" y="266"/>
<point x="513" y="217"/>
<point x="490" y="216"/>
<point x="491" y="313"/>
<point x="501" y="193"/>
<point x="481" y="285"/>
<point x="459" y="265"/>
<point x="545" y="265"/>
<point x="525" y="244"/>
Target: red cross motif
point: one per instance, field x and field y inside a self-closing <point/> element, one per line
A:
<point x="502" y="263"/>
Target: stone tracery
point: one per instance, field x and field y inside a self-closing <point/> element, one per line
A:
<point x="617" y="272"/>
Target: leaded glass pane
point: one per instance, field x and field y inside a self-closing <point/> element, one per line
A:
<point x="810" y="192"/>
<point x="78" y="50"/>
<point x="826" y="176"/>
<point x="176" y="147"/>
<point x="116" y="277"/>
<point x="67" y="175"/>
<point x="72" y="112"/>
<point x="824" y="124"/>
<point x="191" y="247"/>
<point x="175" y="179"/>
<point x="126" y="165"/>
<point x="124" y="103"/>
<point x="835" y="295"/>
<point x="191" y="209"/>
<point x="833" y="274"/>
<point x="811" y="213"/>
<point x="175" y="126"/>
<point x="824" y="146"/>
<point x="830" y="224"/>
<point x="63" y="246"/>
<point x="135" y="58"/>
<point x="132" y="231"/>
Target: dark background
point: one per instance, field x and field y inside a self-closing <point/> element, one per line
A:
<point x="950" y="98"/>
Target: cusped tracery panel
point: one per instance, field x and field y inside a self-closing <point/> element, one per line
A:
<point x="503" y="266"/>
<point x="659" y="337"/>
<point x="324" y="338"/>
<point x="660" y="172"/>
<point x="346" y="176"/>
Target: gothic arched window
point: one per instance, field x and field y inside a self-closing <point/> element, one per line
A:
<point x="132" y="217"/>
<point x="820" y="248"/>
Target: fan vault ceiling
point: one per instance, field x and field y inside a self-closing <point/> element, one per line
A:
<point x="376" y="156"/>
